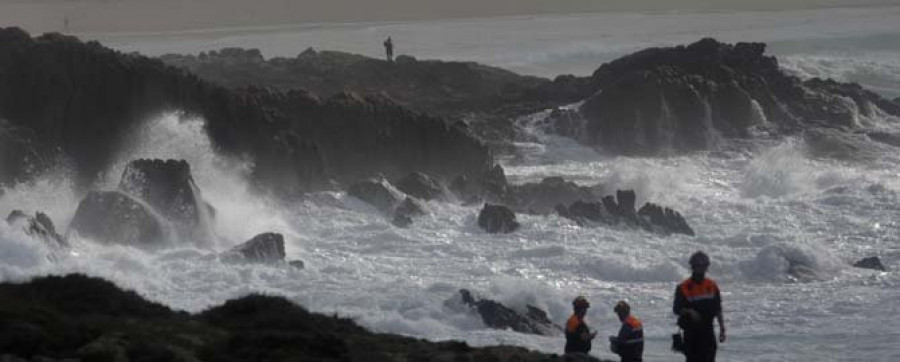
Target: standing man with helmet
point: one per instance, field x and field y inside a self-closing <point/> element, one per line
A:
<point x="697" y="303"/>
<point x="578" y="335"/>
<point x="629" y="344"/>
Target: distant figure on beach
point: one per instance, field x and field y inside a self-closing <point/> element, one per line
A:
<point x="389" y="49"/>
<point x="697" y="302"/>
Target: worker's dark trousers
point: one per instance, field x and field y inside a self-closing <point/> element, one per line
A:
<point x="700" y="345"/>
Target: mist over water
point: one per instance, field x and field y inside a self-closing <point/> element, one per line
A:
<point x="782" y="227"/>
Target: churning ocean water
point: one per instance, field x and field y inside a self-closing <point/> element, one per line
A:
<point x="758" y="209"/>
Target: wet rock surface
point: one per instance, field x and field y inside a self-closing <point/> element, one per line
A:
<point x="39" y="226"/>
<point x="497" y="219"/>
<point x="497" y="316"/>
<point x="296" y="141"/>
<point x="872" y="262"/>
<point x="677" y="99"/>
<point x="112" y="217"/>
<point x="265" y="248"/>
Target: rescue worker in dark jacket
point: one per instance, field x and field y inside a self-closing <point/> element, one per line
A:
<point x="578" y="335"/>
<point x="697" y="303"/>
<point x="629" y="343"/>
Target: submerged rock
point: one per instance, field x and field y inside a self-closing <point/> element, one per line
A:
<point x="498" y="316"/>
<point x="497" y="219"/>
<point x="112" y="217"/>
<point x="872" y="262"/>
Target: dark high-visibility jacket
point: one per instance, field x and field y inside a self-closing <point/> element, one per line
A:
<point x="576" y="330"/>
<point x="630" y="341"/>
<point x="703" y="297"/>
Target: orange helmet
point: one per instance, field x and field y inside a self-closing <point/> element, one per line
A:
<point x="581" y="302"/>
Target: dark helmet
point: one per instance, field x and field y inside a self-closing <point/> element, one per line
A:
<point x="581" y="302"/>
<point x="622" y="307"/>
<point x="699" y="259"/>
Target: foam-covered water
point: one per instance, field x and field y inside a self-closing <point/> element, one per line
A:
<point x="782" y="228"/>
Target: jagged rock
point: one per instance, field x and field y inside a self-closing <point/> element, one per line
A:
<point x="169" y="188"/>
<point x="113" y="217"/>
<point x="650" y="217"/>
<point x="497" y="219"/>
<point x="266" y="248"/>
<point x="665" y="219"/>
<point x="540" y="198"/>
<point x="872" y="262"/>
<point x="39" y="226"/>
<point x="498" y="316"/>
<point x="420" y="185"/>
<point x="376" y="192"/>
<point x="684" y="98"/>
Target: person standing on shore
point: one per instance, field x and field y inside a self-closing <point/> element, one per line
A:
<point x="389" y="49"/>
<point x="629" y="343"/>
<point x="697" y="302"/>
<point x="578" y="335"/>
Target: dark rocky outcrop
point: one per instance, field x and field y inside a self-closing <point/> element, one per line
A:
<point x="420" y="185"/>
<point x="265" y="248"/>
<point x="541" y="198"/>
<point x="83" y="99"/>
<point x="620" y="210"/>
<point x="169" y="188"/>
<point x="872" y="262"/>
<point x="39" y="226"/>
<point x="685" y="98"/>
<point x="22" y="155"/>
<point x="498" y="316"/>
<point x="497" y="219"/>
<point x="377" y="192"/>
<point x="665" y="220"/>
<point x="437" y="87"/>
<point x="113" y="217"/>
<point x="485" y="99"/>
<point x="75" y="317"/>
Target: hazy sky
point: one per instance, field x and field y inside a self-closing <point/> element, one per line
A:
<point x="161" y="15"/>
